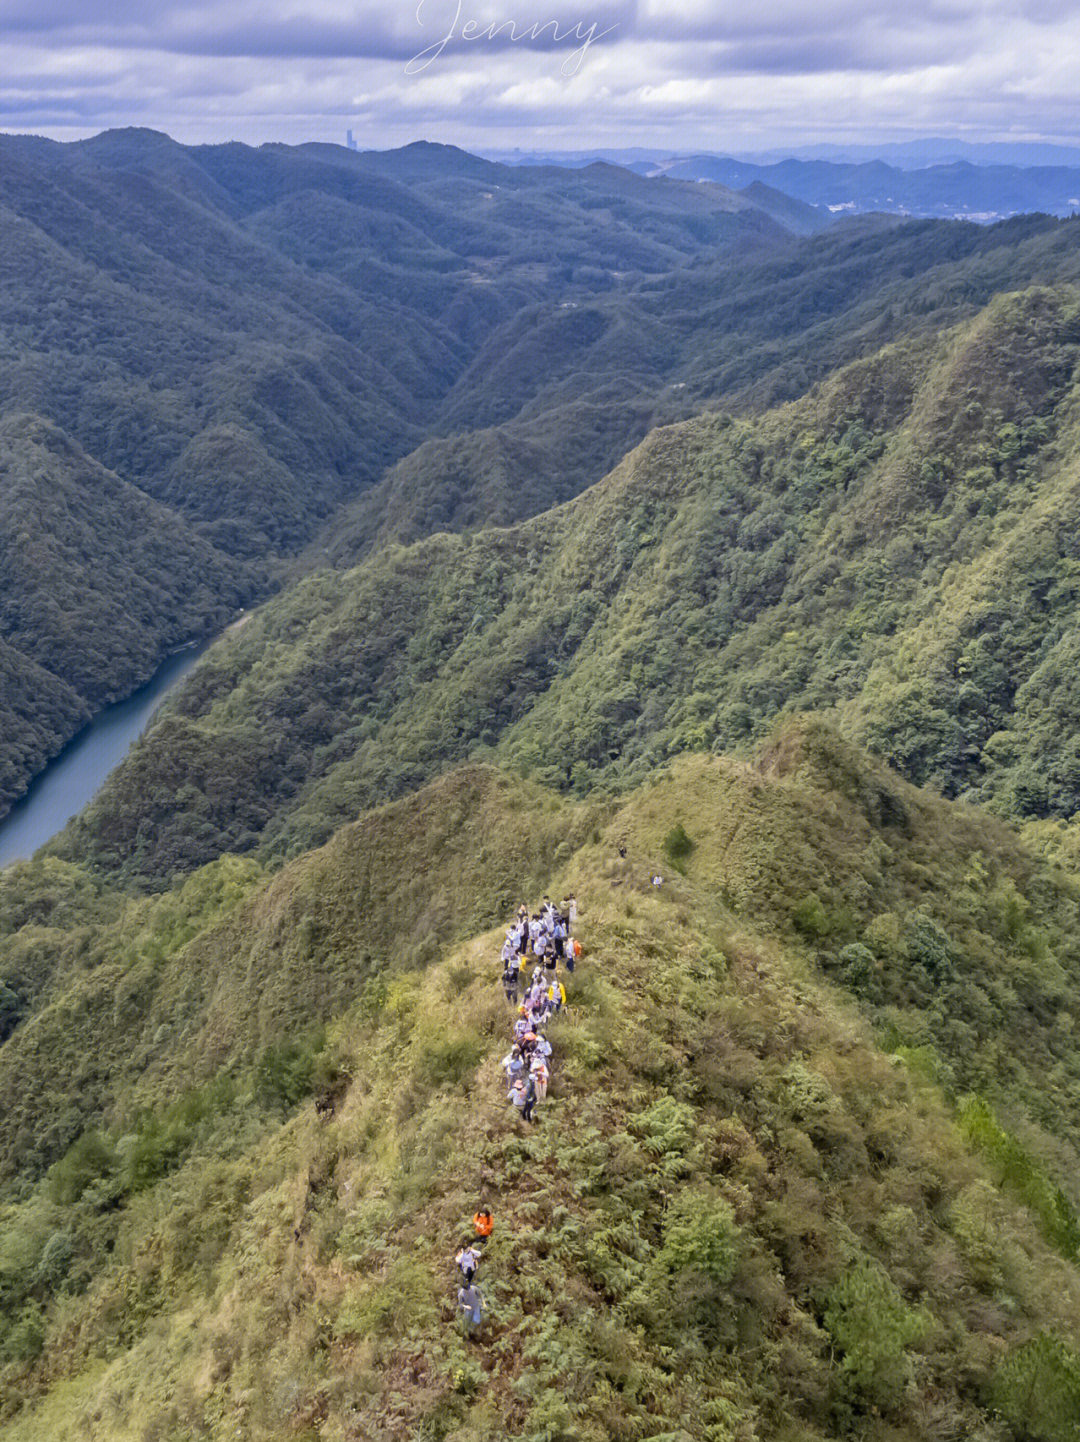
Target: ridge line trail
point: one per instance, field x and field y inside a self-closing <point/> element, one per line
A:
<point x="540" y="1184"/>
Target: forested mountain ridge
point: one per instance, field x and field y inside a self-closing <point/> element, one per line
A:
<point x="806" y="1171"/>
<point x="797" y="1175"/>
<point x="562" y="393"/>
<point x="249" y="337"/>
<point x="954" y="188"/>
<point x="897" y="545"/>
<point x="257" y="339"/>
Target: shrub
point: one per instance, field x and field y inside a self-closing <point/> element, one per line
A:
<point x="286" y="1072"/>
<point x="449" y="1060"/>
<point x="858" y="970"/>
<point x="810" y="917"/>
<point x="150" y="1152"/>
<point x="928" y="946"/>
<point x="11" y="1010"/>
<point x="1037" y="1391"/>
<point x="882" y="935"/>
<point x="86" y="1161"/>
<point x="677" y="847"/>
<point x="701" y="1237"/>
<point x="667" y="1131"/>
<point x="26" y="1338"/>
<point x="873" y="1326"/>
<point x="55" y="1261"/>
<point x="397" y="1305"/>
<point x="1019" y="1173"/>
<point x="975" y="1220"/>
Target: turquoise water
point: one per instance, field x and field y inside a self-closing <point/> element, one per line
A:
<point x="75" y="776"/>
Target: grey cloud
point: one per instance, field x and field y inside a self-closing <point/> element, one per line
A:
<point x="390" y="32"/>
<point x="749" y="65"/>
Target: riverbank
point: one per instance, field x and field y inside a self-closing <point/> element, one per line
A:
<point x="74" y="777"/>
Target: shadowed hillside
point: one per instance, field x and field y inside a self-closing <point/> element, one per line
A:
<point x="97" y="582"/>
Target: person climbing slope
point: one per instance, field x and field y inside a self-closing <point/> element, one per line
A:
<point x="558" y="936"/>
<point x="540" y="1076"/>
<point x="512" y="1063"/>
<point x="530" y="1099"/>
<point x="510" y="978"/>
<point x="516" y="1095"/>
<point x="483" y="1222"/>
<point x="573" y="954"/>
<point x="471" y="1308"/>
<point x="468" y="1259"/>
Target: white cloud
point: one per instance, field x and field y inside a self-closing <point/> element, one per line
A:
<point x="679" y="74"/>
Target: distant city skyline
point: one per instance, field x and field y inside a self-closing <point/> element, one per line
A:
<point x="741" y="77"/>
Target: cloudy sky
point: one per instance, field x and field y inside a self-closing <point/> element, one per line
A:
<point x="715" y="74"/>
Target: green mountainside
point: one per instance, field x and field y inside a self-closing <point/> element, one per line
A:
<point x="248" y="338"/>
<point x="97" y="582"/>
<point x="303" y="349"/>
<point x="604" y="529"/>
<point x="799" y="1174"/>
<point x="561" y="391"/>
<point x="898" y="545"/>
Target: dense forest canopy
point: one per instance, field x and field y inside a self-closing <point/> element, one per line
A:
<point x="898" y="545"/>
<point x="307" y="350"/>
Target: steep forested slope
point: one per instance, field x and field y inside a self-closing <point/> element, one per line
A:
<point x="899" y="545"/>
<point x="797" y="1176"/>
<point x="560" y="390"/>
<point x="249" y="337"/>
<point x="255" y="337"/>
<point x="97" y="581"/>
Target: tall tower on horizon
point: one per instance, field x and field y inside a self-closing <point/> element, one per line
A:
<point x="350" y="141"/>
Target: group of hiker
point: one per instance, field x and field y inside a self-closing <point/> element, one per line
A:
<point x="545" y="938"/>
<point x="470" y="1298"/>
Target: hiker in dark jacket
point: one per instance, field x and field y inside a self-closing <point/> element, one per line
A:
<point x="530" y="1099"/>
<point x="471" y="1308"/>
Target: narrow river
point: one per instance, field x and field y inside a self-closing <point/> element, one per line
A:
<point x="71" y="780"/>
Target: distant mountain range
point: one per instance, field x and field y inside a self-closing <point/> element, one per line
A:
<point x="905" y="154"/>
<point x="942" y="179"/>
<point x="959" y="190"/>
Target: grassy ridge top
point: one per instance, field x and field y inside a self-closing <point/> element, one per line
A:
<point x="176" y="987"/>
<point x="897" y="545"/>
<point x="796" y="1176"/>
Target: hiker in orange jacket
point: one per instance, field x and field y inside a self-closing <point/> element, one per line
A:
<point x="483" y="1222"/>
